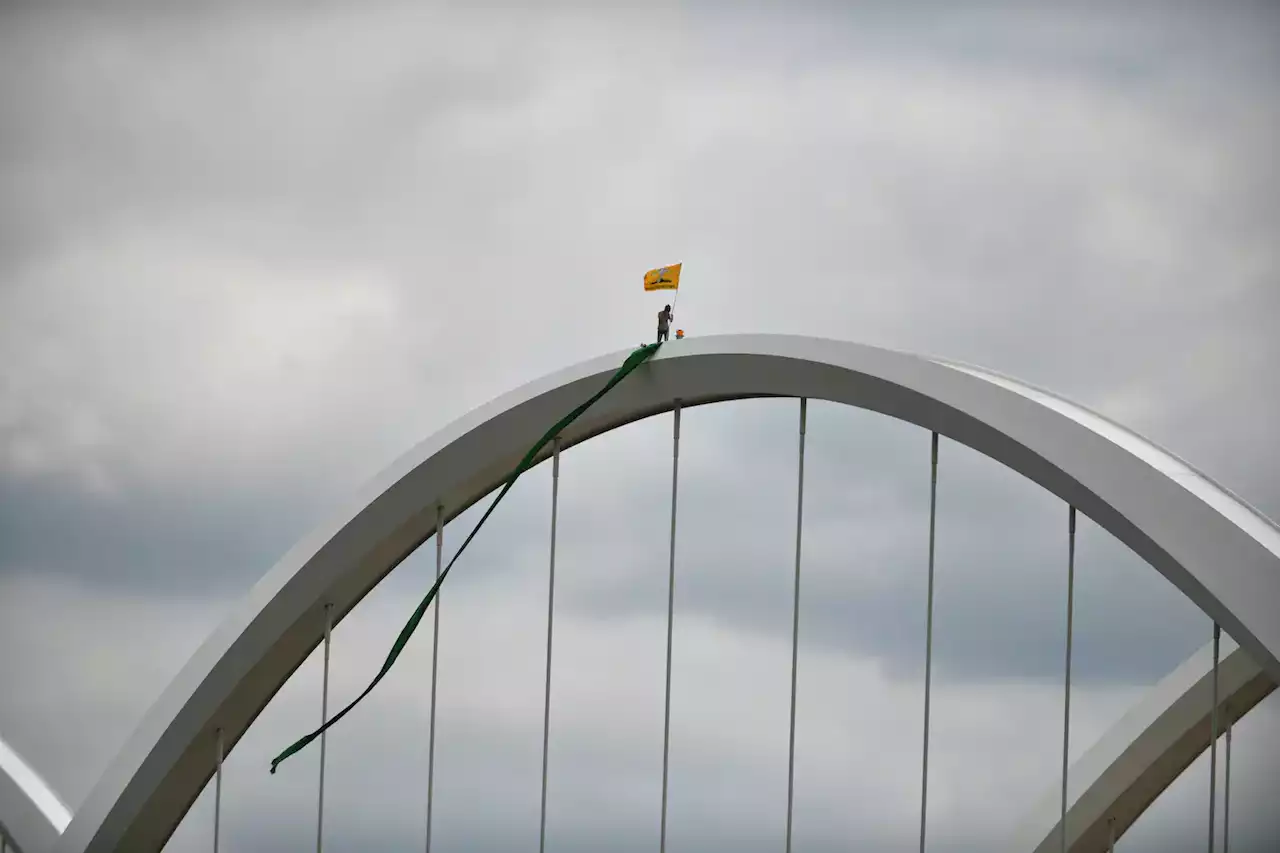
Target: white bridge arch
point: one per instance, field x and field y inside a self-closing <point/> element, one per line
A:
<point x="1212" y="546"/>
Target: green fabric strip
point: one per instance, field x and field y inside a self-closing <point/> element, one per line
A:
<point x="633" y="361"/>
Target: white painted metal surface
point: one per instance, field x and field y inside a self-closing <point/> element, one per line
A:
<point x="1143" y="753"/>
<point x="1216" y="549"/>
<point x="31" y="814"/>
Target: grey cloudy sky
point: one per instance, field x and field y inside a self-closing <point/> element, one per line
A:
<point x="249" y="253"/>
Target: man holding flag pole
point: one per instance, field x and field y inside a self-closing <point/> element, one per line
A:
<point x="664" y="278"/>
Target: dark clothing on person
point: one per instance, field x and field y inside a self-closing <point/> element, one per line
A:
<point x="665" y="317"/>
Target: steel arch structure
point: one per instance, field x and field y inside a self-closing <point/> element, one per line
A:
<point x="31" y="815"/>
<point x="1217" y="550"/>
<point x="1113" y="783"/>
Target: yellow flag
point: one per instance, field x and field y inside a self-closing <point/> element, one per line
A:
<point x="663" y="278"/>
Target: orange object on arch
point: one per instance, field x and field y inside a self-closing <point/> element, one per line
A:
<point x="679" y="334"/>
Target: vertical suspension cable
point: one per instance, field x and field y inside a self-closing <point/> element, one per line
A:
<point x="671" y="600"/>
<point x="324" y="718"/>
<point x="795" y="626"/>
<point x="1066" y="703"/>
<point x="928" y="638"/>
<point x="1213" y="736"/>
<point x="1226" y="790"/>
<point x="217" y="796"/>
<point x="435" y="660"/>
<point x="551" y="611"/>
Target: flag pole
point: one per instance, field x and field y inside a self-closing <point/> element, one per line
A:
<point x="660" y="281"/>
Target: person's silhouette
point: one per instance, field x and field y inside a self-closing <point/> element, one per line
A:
<point x="665" y="318"/>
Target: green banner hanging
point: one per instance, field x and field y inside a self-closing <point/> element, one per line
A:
<point x="640" y="356"/>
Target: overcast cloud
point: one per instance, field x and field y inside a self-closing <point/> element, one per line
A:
<point x="250" y="253"/>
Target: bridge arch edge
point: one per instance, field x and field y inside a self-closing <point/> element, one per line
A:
<point x="1216" y="549"/>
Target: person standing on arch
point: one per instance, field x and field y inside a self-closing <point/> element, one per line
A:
<point x="665" y="319"/>
<point x="664" y="278"/>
